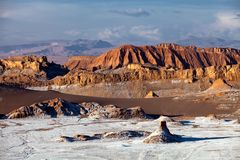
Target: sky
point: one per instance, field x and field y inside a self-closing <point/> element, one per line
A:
<point x="119" y="22"/>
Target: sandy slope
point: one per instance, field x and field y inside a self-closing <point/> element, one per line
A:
<point x="12" y="98"/>
<point x="36" y="139"/>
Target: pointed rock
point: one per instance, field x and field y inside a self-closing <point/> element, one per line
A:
<point x="162" y="135"/>
<point x="219" y="85"/>
<point x="151" y="94"/>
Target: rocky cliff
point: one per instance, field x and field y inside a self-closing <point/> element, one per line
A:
<point x="164" y="55"/>
<point x="28" y="70"/>
<point x="83" y="78"/>
<point x="126" y="63"/>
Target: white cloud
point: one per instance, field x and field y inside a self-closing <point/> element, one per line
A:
<point x="73" y="33"/>
<point x="226" y="25"/>
<point x="109" y="33"/>
<point x="138" y="33"/>
<point x="149" y="32"/>
<point x="132" y="12"/>
<point x="228" y="20"/>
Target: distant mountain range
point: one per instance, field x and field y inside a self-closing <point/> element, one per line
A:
<point x="209" y="42"/>
<point x="53" y="49"/>
<point x="60" y="50"/>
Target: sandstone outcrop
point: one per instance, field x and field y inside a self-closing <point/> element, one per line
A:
<point x="162" y="135"/>
<point x="83" y="78"/>
<point x="219" y="85"/>
<point x="28" y="70"/>
<point x="78" y="62"/>
<point x="151" y="94"/>
<point x="53" y="108"/>
<point x="126" y="63"/>
<point x="165" y="55"/>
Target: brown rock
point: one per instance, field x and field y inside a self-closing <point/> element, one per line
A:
<point x="219" y="85"/>
<point x="54" y="108"/>
<point x="28" y="71"/>
<point x="151" y="94"/>
<point x="165" y="55"/>
<point x="78" y="62"/>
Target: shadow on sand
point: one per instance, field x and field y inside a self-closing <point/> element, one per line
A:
<point x="193" y="139"/>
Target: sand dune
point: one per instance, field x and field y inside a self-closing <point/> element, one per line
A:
<point x="12" y="98"/>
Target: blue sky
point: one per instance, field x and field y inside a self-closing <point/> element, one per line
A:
<point x="125" y="21"/>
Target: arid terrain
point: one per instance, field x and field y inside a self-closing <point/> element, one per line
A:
<point x="119" y="80"/>
<point x="115" y="99"/>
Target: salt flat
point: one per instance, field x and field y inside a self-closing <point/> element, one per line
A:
<point x="34" y="138"/>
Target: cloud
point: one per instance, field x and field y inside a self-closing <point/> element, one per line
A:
<point x="5" y="14"/>
<point x="225" y="25"/>
<point x="149" y="32"/>
<point x="109" y="33"/>
<point x="72" y="33"/>
<point x="228" y="21"/>
<point x="137" y="34"/>
<point x="139" y="12"/>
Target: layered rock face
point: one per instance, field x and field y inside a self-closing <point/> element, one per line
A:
<point x="165" y="55"/>
<point x="84" y="78"/>
<point x="126" y="63"/>
<point x="24" y="62"/>
<point x="28" y="70"/>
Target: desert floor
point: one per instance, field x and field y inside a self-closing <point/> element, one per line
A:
<point x="32" y="138"/>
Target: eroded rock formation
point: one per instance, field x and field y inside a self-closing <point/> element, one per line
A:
<point x="83" y="78"/>
<point x="162" y="135"/>
<point x="58" y="107"/>
<point x="53" y="108"/>
<point x="126" y="63"/>
<point x="165" y="55"/>
<point x="151" y="94"/>
<point x="28" y="70"/>
<point x="111" y="111"/>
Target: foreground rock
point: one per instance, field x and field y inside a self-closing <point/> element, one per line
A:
<point x="128" y="134"/>
<point x="78" y="137"/>
<point x="58" y="107"/>
<point x="112" y="111"/>
<point x="125" y="134"/>
<point x="53" y="108"/>
<point x="162" y="135"/>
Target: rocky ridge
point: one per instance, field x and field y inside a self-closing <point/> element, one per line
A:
<point x="167" y="55"/>
<point x="59" y="107"/>
<point x="126" y="63"/>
